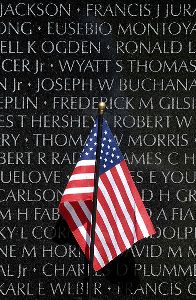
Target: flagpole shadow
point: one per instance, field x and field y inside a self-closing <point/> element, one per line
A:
<point x="64" y="236"/>
<point x="120" y="273"/>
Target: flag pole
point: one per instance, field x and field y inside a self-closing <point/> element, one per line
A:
<point x="101" y="109"/>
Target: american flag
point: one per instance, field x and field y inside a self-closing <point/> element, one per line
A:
<point x="121" y="218"/>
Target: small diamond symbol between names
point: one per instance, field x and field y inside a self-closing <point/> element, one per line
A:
<point x="39" y="28"/>
<point x="29" y="84"/>
<point x="78" y="10"/>
<point x="26" y="139"/>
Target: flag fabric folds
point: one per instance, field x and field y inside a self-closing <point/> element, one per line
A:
<point x="121" y="218"/>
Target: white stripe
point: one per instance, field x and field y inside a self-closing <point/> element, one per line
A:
<point x="109" y="228"/>
<point x="105" y="219"/>
<point x="79" y="190"/>
<point x="83" y="231"/>
<point x="97" y="230"/>
<point x="122" y="205"/>
<point x="85" y="163"/>
<point x="82" y="176"/>
<point x="133" y="204"/>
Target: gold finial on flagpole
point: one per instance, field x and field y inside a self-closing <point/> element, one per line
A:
<point x="102" y="107"/>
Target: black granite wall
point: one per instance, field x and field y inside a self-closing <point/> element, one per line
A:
<point x="57" y="60"/>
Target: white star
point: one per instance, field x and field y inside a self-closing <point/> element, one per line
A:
<point x="105" y="132"/>
<point x="29" y="84"/>
<point x="109" y="140"/>
<point x="95" y="134"/>
<point x="91" y="149"/>
<point x="107" y="153"/>
<point x="104" y="139"/>
<point x="117" y="156"/>
<point x="78" y="9"/>
<point x="111" y="161"/>
<point x="114" y="149"/>
<point x="112" y="154"/>
<point x="94" y="153"/>
<point x="95" y="143"/>
<point x="102" y="144"/>
<point x="86" y="153"/>
<point x="105" y="159"/>
<point x="95" y="125"/>
<point x="91" y="140"/>
<point x="100" y="157"/>
<point x="101" y="151"/>
<point x="108" y="146"/>
<point x="26" y="139"/>
<point x="87" y="145"/>
<point x="104" y="166"/>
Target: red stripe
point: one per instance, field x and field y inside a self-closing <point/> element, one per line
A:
<point x="81" y="170"/>
<point x="96" y="265"/>
<point x="127" y="203"/>
<point x="77" y="197"/>
<point x="119" y="211"/>
<point x="80" y="183"/>
<point x="74" y="229"/>
<point x="84" y="169"/>
<point x="97" y="241"/>
<point x="138" y="200"/>
<point x="110" y="216"/>
<point x="81" y="215"/>
<point x="85" y="248"/>
<point x="104" y="231"/>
